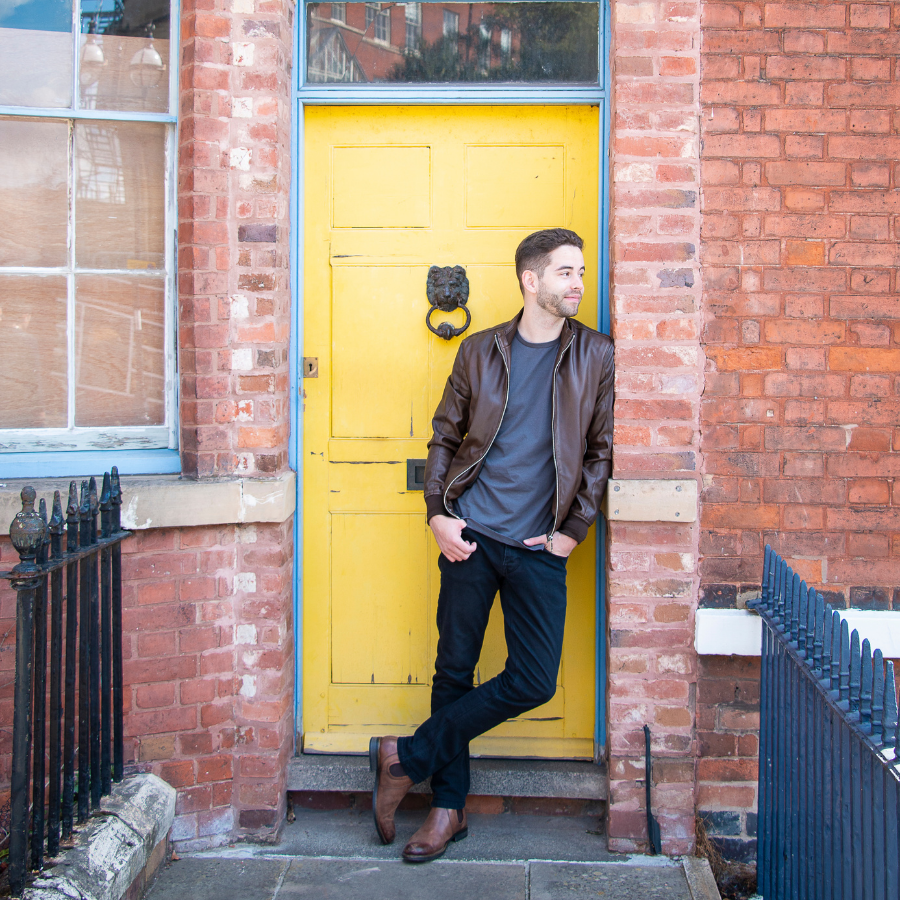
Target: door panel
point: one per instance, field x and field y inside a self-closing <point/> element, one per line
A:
<point x="388" y="193"/>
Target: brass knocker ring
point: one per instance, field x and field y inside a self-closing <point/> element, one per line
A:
<point x="445" y="330"/>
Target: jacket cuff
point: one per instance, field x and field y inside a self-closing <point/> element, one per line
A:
<point x="434" y="506"/>
<point x="576" y="529"/>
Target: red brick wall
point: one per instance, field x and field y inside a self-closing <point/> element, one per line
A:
<point x="209" y="667"/>
<point x="728" y="733"/>
<point x="208" y="664"/>
<point x="799" y="147"/>
<point x="655" y="303"/>
<point x="802" y="325"/>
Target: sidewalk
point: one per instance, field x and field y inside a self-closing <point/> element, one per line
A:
<point x="337" y="856"/>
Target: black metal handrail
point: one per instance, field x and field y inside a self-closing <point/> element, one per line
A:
<point x="829" y="787"/>
<point x="85" y="667"/>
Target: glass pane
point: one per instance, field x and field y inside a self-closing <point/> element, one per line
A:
<point x="453" y="42"/>
<point x="119" y="353"/>
<point x="36" y="53"/>
<point x="124" y="55"/>
<point x="33" y="350"/>
<point x="33" y="195"/>
<point x="119" y="195"/>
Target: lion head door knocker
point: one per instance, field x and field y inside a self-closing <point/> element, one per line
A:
<point x="447" y="289"/>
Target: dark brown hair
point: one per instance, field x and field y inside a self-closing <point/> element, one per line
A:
<point x="533" y="254"/>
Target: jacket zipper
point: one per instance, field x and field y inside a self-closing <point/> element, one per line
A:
<point x="553" y="434"/>
<point x="494" y="438"/>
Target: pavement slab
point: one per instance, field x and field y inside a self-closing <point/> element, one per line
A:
<point x="219" y="879"/>
<point x="336" y="855"/>
<point x="609" y="881"/>
<point x="334" y="879"/>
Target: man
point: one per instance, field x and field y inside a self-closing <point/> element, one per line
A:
<point x="515" y="474"/>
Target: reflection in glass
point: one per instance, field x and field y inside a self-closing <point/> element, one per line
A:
<point x="123" y="55"/>
<point x="33" y="194"/>
<point x="535" y="41"/>
<point x="33" y="350"/>
<point x="119" y="352"/>
<point x="119" y="195"/>
<point x="36" y="53"/>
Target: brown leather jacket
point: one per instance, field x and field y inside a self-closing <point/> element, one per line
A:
<point x="469" y="415"/>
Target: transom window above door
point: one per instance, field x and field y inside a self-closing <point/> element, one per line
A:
<point x="527" y="42"/>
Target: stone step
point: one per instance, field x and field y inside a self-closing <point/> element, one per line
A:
<point x="563" y="779"/>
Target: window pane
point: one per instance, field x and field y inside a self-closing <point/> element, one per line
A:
<point x="33" y="195"/>
<point x="119" y="195"/>
<point x="36" y="53"/>
<point x="535" y="41"/>
<point x="119" y="350"/>
<point x="33" y="350"/>
<point x="124" y="55"/>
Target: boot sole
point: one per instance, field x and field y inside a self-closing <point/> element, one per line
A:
<point x="460" y="835"/>
<point x="374" y="748"/>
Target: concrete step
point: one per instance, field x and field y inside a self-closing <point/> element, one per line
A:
<point x="490" y="777"/>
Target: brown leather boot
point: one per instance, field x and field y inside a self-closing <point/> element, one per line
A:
<point x="391" y="785"/>
<point x="431" y="840"/>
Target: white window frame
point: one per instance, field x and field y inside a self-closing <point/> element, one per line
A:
<point x="380" y="21"/>
<point x="413" y="16"/>
<point x="451" y="23"/>
<point x="38" y="452"/>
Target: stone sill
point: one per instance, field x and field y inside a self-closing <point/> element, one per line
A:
<point x="170" y="501"/>
<point x="738" y="632"/>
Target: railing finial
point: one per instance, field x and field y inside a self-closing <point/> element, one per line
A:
<point x="878" y="696"/>
<point x="57" y="527"/>
<point x="27" y="533"/>
<point x="106" y="507"/>
<point x="845" y="662"/>
<point x="889" y="737"/>
<point x="865" y="687"/>
<point x="855" y="671"/>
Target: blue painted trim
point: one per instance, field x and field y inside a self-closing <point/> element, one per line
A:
<point x="295" y="448"/>
<point x="600" y="654"/>
<point x="435" y="95"/>
<point x="109" y="115"/>
<point x="89" y="462"/>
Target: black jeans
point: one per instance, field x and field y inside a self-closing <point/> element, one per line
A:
<point x="532" y="586"/>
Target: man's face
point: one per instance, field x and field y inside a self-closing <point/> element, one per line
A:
<point x="560" y="288"/>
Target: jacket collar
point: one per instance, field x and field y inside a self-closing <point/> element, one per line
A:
<point x="507" y="331"/>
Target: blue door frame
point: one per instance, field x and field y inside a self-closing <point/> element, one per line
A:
<point x="382" y="95"/>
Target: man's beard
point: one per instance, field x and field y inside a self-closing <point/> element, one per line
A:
<point x="555" y="303"/>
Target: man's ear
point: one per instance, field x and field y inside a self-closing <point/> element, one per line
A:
<point x="530" y="281"/>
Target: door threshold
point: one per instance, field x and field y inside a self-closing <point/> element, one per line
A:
<point x="564" y="779"/>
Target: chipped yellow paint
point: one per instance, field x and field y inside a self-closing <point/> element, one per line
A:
<point x="388" y="193"/>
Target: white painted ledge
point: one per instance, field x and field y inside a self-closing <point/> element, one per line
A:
<point x="169" y="501"/>
<point x="738" y="632"/>
<point x="651" y="500"/>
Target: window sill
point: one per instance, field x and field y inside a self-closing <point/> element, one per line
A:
<point x="169" y="501"/>
<point x="738" y="632"/>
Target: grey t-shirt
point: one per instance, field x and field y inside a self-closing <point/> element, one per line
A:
<point x="512" y="498"/>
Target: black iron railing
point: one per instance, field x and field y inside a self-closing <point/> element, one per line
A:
<point x="829" y="790"/>
<point x="79" y="588"/>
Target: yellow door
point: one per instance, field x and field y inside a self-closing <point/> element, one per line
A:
<point x="388" y="193"/>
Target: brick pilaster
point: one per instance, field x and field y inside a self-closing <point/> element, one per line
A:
<point x="233" y="191"/>
<point x="659" y="365"/>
